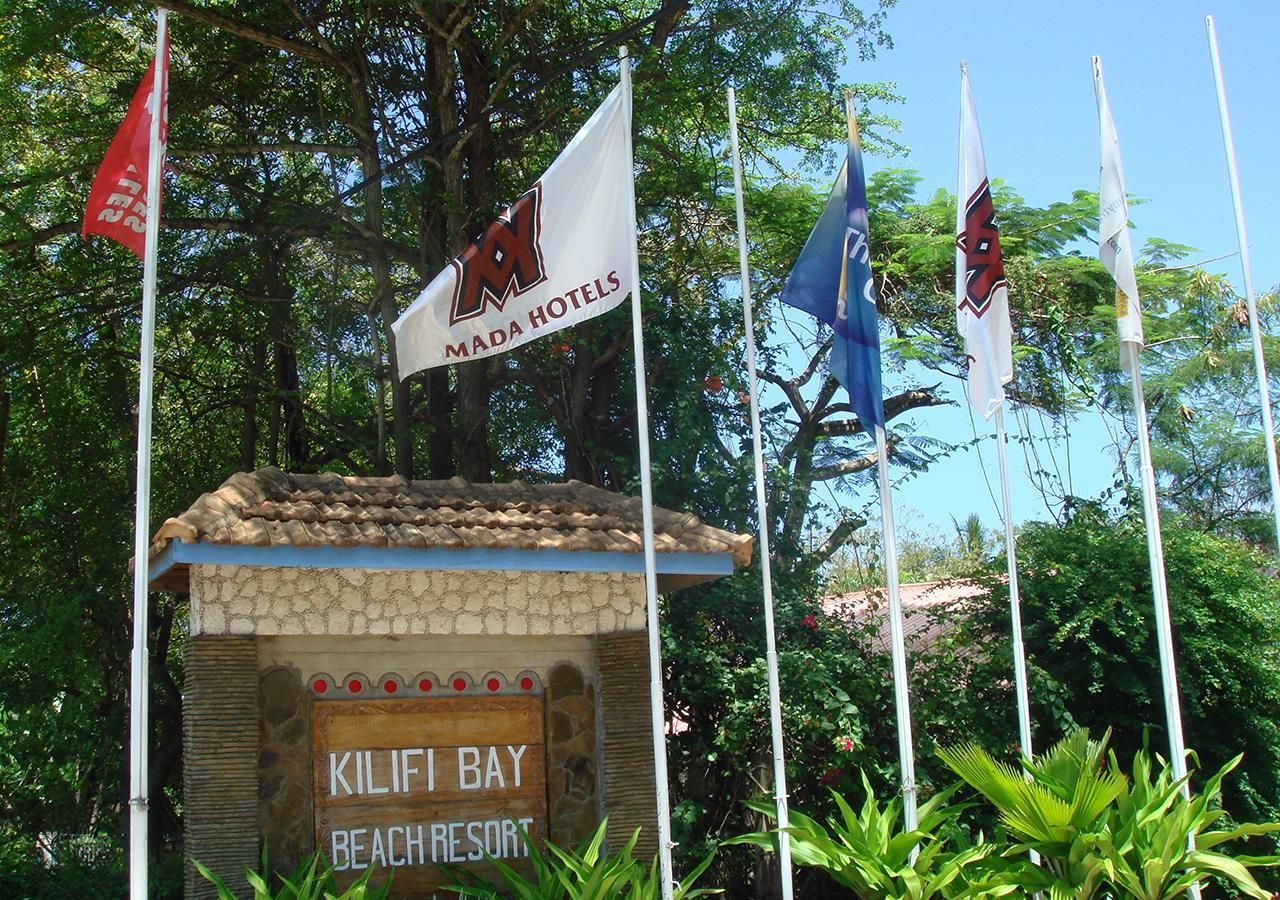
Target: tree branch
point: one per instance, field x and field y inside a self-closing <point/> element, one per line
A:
<point x="855" y="465"/>
<point x="253" y="149"/>
<point x="256" y="34"/>
<point x="838" y="537"/>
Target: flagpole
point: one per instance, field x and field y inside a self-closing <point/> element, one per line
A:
<point x="902" y="701"/>
<point x="757" y="448"/>
<point x="646" y="498"/>
<point x="1255" y="331"/>
<point x="1015" y="602"/>
<point x="1159" y="588"/>
<point x="139" y="674"/>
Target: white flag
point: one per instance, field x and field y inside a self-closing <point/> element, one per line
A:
<point x="1114" y="247"/>
<point x="560" y="254"/>
<point x="982" y="298"/>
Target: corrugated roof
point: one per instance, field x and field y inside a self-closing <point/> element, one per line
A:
<point x="270" y="507"/>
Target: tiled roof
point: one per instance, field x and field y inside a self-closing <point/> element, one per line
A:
<point x="270" y="507"/>
<point x="927" y="607"/>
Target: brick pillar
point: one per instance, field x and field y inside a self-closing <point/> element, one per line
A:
<point x="220" y="761"/>
<point x="622" y="660"/>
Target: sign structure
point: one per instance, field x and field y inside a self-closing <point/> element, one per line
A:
<point x="405" y="785"/>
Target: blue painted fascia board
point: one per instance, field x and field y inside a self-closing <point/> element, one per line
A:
<point x="438" y="558"/>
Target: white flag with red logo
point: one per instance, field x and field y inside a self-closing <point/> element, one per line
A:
<point x="1115" y="248"/>
<point x="560" y="254"/>
<point x="982" y="298"/>
<point x="117" y="206"/>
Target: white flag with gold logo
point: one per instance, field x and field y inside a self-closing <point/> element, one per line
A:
<point x="558" y="255"/>
<point x="1114" y="246"/>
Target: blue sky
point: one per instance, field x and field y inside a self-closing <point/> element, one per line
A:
<point x="1029" y="65"/>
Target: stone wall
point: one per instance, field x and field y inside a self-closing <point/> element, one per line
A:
<point x="268" y="601"/>
<point x="573" y="764"/>
<point x="220" y="760"/>
<point x="284" y="768"/>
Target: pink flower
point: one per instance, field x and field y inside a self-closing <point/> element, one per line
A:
<point x="846" y="744"/>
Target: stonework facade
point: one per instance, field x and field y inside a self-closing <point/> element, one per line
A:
<point x="284" y="767"/>
<point x="268" y="643"/>
<point x="573" y="765"/>
<point x="229" y="599"/>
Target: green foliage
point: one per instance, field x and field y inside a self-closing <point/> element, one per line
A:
<point x="587" y="873"/>
<point x="1146" y="843"/>
<point x="922" y="556"/>
<point x="868" y="852"/>
<point x="1098" y="833"/>
<point x="280" y="273"/>
<point x="1057" y="812"/>
<point x="1088" y="624"/>
<point x="313" y="880"/>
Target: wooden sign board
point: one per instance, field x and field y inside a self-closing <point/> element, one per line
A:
<point x="403" y="785"/>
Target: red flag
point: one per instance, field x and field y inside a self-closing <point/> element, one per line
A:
<point x="117" y="206"/>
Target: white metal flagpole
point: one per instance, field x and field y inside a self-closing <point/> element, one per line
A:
<point x="139" y="674"/>
<point x="757" y="448"/>
<point x="902" y="701"/>
<point x="1159" y="588"/>
<point x="1259" y="360"/>
<point x="646" y="499"/>
<point x="1015" y="601"/>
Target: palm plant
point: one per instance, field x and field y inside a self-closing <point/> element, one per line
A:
<point x="1100" y="834"/>
<point x="1056" y="805"/>
<point x="313" y="880"/>
<point x="587" y="873"/>
<point x="868" y="852"/>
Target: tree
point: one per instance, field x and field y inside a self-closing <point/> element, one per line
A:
<point x="1089" y="628"/>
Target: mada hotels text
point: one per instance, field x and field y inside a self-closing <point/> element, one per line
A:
<point x="559" y="255"/>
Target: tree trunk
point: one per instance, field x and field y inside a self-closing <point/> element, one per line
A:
<point x="249" y="428"/>
<point x="4" y="429"/>
<point x="362" y="123"/>
<point x="287" y="400"/>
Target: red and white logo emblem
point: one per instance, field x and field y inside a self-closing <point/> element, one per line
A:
<point x="984" y="267"/>
<point x="504" y="262"/>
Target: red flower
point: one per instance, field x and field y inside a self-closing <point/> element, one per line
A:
<point x="831" y="776"/>
<point x="846" y="744"/>
<point x="810" y="621"/>
<point x="713" y="384"/>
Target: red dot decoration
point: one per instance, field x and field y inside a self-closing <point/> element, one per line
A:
<point x="493" y="684"/>
<point x="355" y="686"/>
<point x="459" y="684"/>
<point x="320" y="686"/>
<point x="424" y="684"/>
<point x="390" y="686"/>
<point x="526" y="683"/>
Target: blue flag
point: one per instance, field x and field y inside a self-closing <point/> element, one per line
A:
<point x="832" y="280"/>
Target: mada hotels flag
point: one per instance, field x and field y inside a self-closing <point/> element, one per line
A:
<point x="117" y="207"/>
<point x="982" y="298"/>
<point x="560" y="254"/>
<point x="1114" y="247"/>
